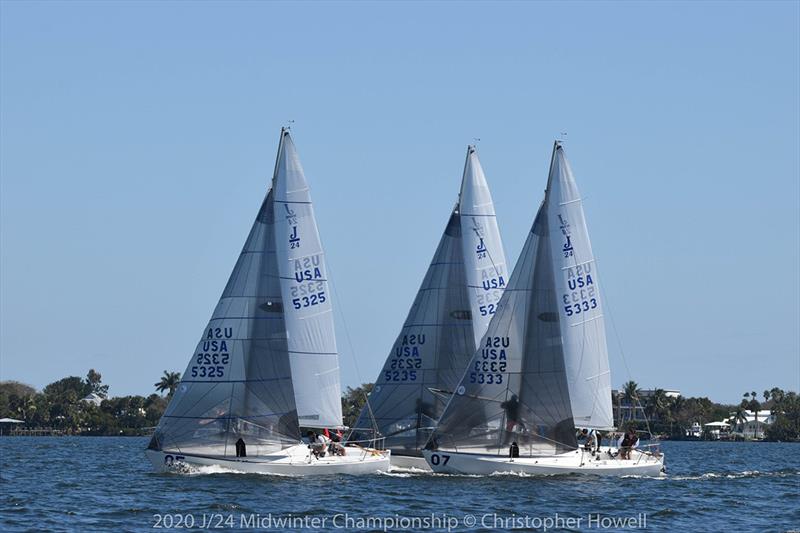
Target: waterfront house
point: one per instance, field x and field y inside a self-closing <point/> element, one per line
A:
<point x="752" y="427"/>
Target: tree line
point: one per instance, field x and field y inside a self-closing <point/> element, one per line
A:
<point x="671" y="416"/>
<point x="62" y="405"/>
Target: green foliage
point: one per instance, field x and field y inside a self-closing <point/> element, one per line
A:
<point x="786" y="408"/>
<point x="60" y="405"/>
<point x="168" y="382"/>
<point x="93" y="379"/>
<point x="353" y="400"/>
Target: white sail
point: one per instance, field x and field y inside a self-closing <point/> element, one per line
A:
<point x="484" y="258"/>
<point x="306" y="297"/>
<point x="542" y="367"/>
<point x="451" y="310"/>
<point x="580" y="310"/>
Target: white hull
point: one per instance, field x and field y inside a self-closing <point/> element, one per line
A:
<point x="408" y="462"/>
<point x="576" y="462"/>
<point x="293" y="461"/>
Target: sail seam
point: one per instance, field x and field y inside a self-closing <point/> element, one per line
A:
<point x="585" y="321"/>
<point x="570" y="201"/>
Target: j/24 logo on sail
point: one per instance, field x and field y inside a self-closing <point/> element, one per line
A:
<point x="481" y="249"/>
<point x="564" y="225"/>
<point x="294" y="240"/>
<point x="291" y="216"/>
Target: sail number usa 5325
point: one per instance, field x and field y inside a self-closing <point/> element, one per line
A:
<point x="212" y="354"/>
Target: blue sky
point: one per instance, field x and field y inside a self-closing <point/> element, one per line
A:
<point x="137" y="141"/>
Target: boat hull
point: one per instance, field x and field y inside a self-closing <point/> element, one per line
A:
<point x="294" y="461"/>
<point x="575" y="462"/>
<point x="409" y="462"/>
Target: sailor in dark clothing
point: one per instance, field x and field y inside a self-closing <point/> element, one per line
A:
<point x="241" y="449"/>
<point x="629" y="442"/>
<point x="513" y="451"/>
<point x="511" y="407"/>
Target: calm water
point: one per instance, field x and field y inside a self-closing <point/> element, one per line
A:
<point x="95" y="484"/>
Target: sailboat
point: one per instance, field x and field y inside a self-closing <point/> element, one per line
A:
<point x="266" y="363"/>
<point x="541" y="369"/>
<point x="457" y="299"/>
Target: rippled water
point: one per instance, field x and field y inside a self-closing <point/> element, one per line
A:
<point x="106" y="483"/>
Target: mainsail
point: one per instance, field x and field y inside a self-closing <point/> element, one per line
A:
<point x="542" y="366"/>
<point x="245" y="379"/>
<point x="458" y="296"/>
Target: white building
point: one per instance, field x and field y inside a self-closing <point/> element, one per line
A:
<point x="93" y="398"/>
<point x="753" y="426"/>
<point x="717" y="430"/>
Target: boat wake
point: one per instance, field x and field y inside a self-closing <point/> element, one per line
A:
<point x="418" y="472"/>
<point x="209" y="470"/>
<point x="723" y="475"/>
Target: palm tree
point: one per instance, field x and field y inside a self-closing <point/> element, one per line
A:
<point x="169" y="382"/>
<point x="739" y="417"/>
<point x="657" y="403"/>
<point x="777" y="396"/>
<point x="630" y="391"/>
<point x="755" y="407"/>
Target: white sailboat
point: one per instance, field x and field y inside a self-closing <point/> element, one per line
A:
<point x="541" y="369"/>
<point x="266" y="364"/>
<point x="457" y="299"/>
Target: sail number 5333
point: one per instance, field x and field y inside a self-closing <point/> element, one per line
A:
<point x="580" y="307"/>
